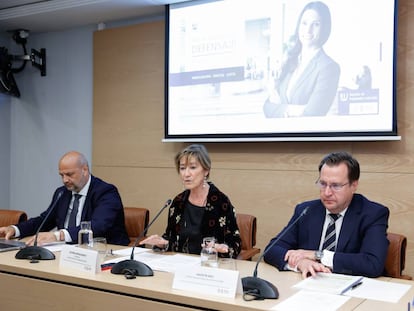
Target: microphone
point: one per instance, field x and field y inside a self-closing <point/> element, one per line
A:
<point x="257" y="287"/>
<point x="130" y="267"/>
<point x="35" y="253"/>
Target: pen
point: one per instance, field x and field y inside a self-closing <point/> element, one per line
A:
<point x="409" y="306"/>
<point x="356" y="285"/>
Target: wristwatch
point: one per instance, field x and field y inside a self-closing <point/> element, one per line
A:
<point x="318" y="255"/>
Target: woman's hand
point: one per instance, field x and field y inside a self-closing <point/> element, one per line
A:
<point x="154" y="239"/>
<point x="221" y="248"/>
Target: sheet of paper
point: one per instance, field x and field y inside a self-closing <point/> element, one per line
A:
<point x="157" y="261"/>
<point x="331" y="283"/>
<point x="55" y="246"/>
<point x="127" y="251"/>
<point x="311" y="301"/>
<point x="144" y="256"/>
<point x="173" y="262"/>
<point x="379" y="290"/>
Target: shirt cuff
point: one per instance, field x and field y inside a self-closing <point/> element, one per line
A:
<point x="57" y="235"/>
<point x="327" y="259"/>
<point x="16" y="231"/>
<point x="65" y="232"/>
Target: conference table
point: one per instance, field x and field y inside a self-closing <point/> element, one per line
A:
<point x="47" y="285"/>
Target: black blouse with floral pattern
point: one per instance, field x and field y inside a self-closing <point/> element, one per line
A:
<point x="219" y="221"/>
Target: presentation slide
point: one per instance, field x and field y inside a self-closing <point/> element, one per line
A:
<point x="271" y="68"/>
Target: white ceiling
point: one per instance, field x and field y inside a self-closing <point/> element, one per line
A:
<point x="55" y="15"/>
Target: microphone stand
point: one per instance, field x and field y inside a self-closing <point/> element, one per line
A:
<point x="35" y="253"/>
<point x="259" y="288"/>
<point x="130" y="267"/>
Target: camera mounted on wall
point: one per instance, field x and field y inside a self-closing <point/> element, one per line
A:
<point x="37" y="58"/>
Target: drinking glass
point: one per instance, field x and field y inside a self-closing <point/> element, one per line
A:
<point x="208" y="253"/>
<point x="227" y="263"/>
<point x="99" y="245"/>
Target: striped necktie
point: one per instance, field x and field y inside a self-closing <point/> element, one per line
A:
<point x="74" y="213"/>
<point x="330" y="236"/>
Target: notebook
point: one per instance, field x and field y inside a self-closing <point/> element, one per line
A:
<point x="8" y="245"/>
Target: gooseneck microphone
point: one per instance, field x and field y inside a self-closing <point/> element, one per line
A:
<point x="130" y="267"/>
<point x="35" y="253"/>
<point x="261" y="289"/>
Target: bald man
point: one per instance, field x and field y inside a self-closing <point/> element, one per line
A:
<point x="97" y="201"/>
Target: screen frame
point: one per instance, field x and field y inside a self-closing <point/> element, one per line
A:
<point x="390" y="135"/>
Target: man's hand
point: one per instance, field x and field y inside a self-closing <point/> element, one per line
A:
<point x="310" y="267"/>
<point x="42" y="238"/>
<point x="7" y="232"/>
<point x="293" y="256"/>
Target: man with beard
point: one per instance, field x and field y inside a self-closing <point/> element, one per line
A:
<point x="83" y="197"/>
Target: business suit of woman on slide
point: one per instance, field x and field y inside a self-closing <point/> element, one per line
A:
<point x="308" y="78"/>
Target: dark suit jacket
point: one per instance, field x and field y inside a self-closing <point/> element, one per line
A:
<point x="103" y="207"/>
<point x="362" y="244"/>
<point x="315" y="89"/>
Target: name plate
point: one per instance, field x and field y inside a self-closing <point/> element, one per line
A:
<point x="205" y="280"/>
<point x="79" y="258"/>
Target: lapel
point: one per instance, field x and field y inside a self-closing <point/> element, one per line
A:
<point x="308" y="72"/>
<point x="349" y="224"/>
<point x="87" y="203"/>
<point x="317" y="217"/>
<point x="63" y="207"/>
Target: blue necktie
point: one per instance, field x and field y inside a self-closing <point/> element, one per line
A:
<point x="330" y="236"/>
<point x="74" y="213"/>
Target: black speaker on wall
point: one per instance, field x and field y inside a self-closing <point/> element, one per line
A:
<point x="7" y="82"/>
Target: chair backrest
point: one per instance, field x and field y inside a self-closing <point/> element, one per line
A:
<point x="11" y="217"/>
<point x="247" y="226"/>
<point x="395" y="262"/>
<point x="136" y="220"/>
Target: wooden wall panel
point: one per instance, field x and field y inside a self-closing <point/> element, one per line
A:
<point x="266" y="179"/>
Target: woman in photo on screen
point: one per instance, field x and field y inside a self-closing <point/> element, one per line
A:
<point x="201" y="210"/>
<point x="308" y="79"/>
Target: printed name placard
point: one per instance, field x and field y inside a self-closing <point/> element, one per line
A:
<point x="205" y="280"/>
<point x="79" y="258"/>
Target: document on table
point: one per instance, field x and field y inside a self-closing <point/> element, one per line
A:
<point x="144" y="255"/>
<point x="157" y="261"/>
<point x="311" y="300"/>
<point x="170" y="263"/>
<point x="54" y="246"/>
<point x="127" y="251"/>
<point x="355" y="286"/>
<point x="379" y="290"/>
<point x="331" y="283"/>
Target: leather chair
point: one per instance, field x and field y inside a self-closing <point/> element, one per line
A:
<point x="395" y="262"/>
<point x="247" y="226"/>
<point x="136" y="220"/>
<point x="11" y="217"/>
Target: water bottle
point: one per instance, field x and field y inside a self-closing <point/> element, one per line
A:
<point x="85" y="235"/>
<point x="208" y="255"/>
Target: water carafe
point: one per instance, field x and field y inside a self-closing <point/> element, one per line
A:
<point x="85" y="235"/>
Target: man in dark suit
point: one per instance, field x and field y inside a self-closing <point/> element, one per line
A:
<point x="98" y="202"/>
<point x="342" y="232"/>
